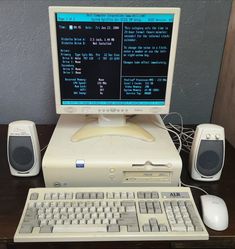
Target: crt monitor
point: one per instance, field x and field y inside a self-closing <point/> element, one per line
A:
<point x="113" y="61"/>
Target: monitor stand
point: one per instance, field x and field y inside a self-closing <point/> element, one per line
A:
<point x="114" y="125"/>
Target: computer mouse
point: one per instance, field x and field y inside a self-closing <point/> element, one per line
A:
<point x="214" y="212"/>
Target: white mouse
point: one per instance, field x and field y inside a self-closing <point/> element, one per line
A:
<point x="214" y="212"/>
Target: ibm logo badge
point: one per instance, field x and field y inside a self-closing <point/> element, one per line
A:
<point x="80" y="164"/>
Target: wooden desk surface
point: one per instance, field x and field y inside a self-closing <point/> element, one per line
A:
<point x="13" y="192"/>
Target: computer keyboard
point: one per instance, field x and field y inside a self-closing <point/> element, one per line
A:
<point x="110" y="214"/>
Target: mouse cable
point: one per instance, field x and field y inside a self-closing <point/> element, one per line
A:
<point x="192" y="186"/>
<point x="44" y="148"/>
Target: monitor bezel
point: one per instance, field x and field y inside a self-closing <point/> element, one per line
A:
<point x="112" y="109"/>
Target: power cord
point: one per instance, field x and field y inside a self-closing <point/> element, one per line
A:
<point x="186" y="134"/>
<point x="169" y="130"/>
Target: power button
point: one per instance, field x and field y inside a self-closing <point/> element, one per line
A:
<point x="111" y="170"/>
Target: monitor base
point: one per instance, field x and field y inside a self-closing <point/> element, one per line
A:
<point x="112" y="125"/>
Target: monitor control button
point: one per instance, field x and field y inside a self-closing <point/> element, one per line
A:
<point x="217" y="136"/>
<point x="57" y="184"/>
<point x="208" y="136"/>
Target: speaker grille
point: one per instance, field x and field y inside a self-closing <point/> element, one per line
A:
<point x="21" y="154"/>
<point x="210" y="157"/>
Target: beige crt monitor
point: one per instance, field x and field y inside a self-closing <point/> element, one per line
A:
<point x="113" y="62"/>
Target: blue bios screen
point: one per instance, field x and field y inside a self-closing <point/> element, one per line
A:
<point x="113" y="59"/>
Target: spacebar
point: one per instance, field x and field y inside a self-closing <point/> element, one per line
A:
<point x="79" y="228"/>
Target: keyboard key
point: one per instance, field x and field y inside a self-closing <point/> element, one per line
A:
<point x="128" y="203"/>
<point x="147" y="195"/>
<point x="80" y="228"/>
<point x="100" y="195"/>
<point x="132" y="228"/>
<point x="146" y="228"/>
<point x="162" y="228"/>
<point x="113" y="228"/>
<point x="153" y="221"/>
<point x="155" y="228"/>
<point x="34" y="196"/>
<point x="45" y="229"/>
<point x="69" y="196"/>
<point x="178" y="228"/>
<point x="54" y="196"/>
<point x="127" y="221"/>
<point x="140" y="195"/>
<point x="61" y="196"/>
<point x="26" y="229"/>
<point x="110" y="195"/>
<point x="155" y="195"/>
<point x="93" y="195"/>
<point x="130" y="209"/>
<point x="130" y="195"/>
<point x="86" y="196"/>
<point x="47" y="196"/>
<point x="190" y="227"/>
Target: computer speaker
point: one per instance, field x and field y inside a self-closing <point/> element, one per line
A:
<point x="23" y="150"/>
<point x="206" y="159"/>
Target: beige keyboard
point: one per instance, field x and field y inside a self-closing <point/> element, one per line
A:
<point x="110" y="214"/>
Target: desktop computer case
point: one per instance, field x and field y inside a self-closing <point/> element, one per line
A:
<point x="110" y="160"/>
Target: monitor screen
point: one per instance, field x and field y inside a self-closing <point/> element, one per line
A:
<point x="113" y="60"/>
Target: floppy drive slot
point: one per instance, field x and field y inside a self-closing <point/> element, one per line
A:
<point x="150" y="164"/>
